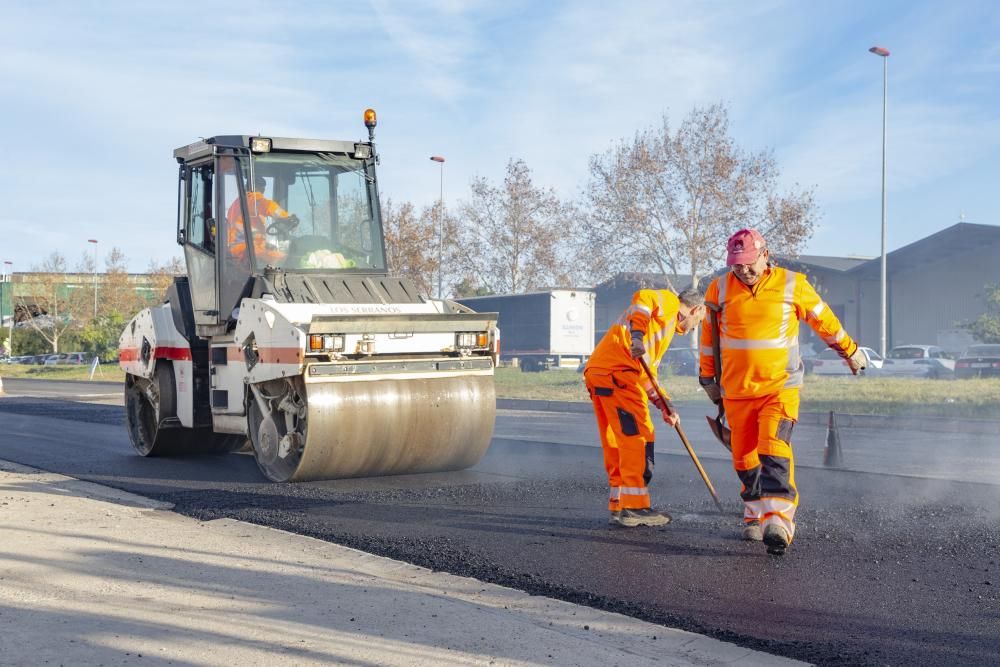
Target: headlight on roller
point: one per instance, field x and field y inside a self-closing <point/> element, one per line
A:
<point x="472" y="340"/>
<point x="326" y="342"/>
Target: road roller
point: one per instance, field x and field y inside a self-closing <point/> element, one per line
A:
<point x="289" y="336"/>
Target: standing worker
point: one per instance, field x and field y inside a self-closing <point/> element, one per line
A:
<point x="620" y="392"/>
<point x="756" y="308"/>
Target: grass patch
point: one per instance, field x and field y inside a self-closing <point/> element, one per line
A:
<point x="104" y="373"/>
<point x="567" y="385"/>
<point x="978" y="398"/>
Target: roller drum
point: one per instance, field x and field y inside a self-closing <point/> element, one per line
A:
<point x="391" y="426"/>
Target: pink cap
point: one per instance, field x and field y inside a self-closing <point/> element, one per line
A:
<point x="744" y="247"/>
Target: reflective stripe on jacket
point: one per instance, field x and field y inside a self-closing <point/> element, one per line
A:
<point x="652" y="312"/>
<point x="760" y="331"/>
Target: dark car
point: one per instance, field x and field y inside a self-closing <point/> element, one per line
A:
<point x="979" y="361"/>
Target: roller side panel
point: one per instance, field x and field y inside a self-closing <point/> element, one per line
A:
<point x="151" y="337"/>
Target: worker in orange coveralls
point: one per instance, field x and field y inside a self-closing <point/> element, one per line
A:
<point x="620" y="392"/>
<point x="757" y="307"/>
<point x="260" y="208"/>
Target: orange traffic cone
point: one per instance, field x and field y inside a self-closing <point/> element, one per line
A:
<point x="831" y="454"/>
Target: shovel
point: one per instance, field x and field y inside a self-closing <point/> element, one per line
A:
<point x="722" y="432"/>
<point x="684" y="440"/>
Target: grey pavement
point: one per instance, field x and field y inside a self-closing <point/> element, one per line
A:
<point x="90" y="575"/>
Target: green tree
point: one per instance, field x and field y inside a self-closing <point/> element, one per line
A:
<point x="986" y="328"/>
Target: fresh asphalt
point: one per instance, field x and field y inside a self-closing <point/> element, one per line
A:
<point x="897" y="568"/>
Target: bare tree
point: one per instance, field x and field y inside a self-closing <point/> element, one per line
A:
<point x="50" y="302"/>
<point x="162" y="277"/>
<point x="119" y="297"/>
<point x="669" y="200"/>
<point x="512" y="238"/>
<point x="85" y="264"/>
<point x="410" y="244"/>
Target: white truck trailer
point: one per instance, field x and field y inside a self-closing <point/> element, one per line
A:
<point x="542" y="330"/>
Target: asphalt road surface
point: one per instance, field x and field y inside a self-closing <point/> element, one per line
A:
<point x="886" y="568"/>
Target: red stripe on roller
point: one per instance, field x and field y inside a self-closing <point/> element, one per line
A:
<point x="173" y="353"/>
<point x="280" y="355"/>
<point x="170" y="353"/>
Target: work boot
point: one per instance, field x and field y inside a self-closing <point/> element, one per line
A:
<point x="776" y="539"/>
<point x="752" y="532"/>
<point x="615" y="518"/>
<point x="643" y="517"/>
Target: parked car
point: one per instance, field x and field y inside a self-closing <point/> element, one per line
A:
<point x="922" y="361"/>
<point x="828" y="362"/>
<point x="979" y="361"/>
<point x="54" y="359"/>
<point x="37" y="359"/>
<point x="66" y="358"/>
<point x="76" y="358"/>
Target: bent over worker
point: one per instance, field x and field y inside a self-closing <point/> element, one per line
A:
<point x="621" y="393"/>
<point x="756" y="309"/>
<point x="260" y="208"/>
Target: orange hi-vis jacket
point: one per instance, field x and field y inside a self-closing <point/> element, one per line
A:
<point x="760" y="332"/>
<point x="260" y="207"/>
<point x="654" y="313"/>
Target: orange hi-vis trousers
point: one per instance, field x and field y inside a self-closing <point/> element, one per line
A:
<point x="762" y="456"/>
<point x="622" y="412"/>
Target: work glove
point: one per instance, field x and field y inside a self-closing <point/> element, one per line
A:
<point x="712" y="389"/>
<point x="637" y="349"/>
<point x="857" y="362"/>
<point x="666" y="409"/>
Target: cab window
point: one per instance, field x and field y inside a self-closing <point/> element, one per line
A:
<point x="200" y="218"/>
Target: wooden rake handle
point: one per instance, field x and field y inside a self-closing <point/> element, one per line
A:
<point x="684" y="440"/>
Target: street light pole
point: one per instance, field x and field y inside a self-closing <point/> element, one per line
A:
<point x="9" y="272"/>
<point x="440" y="161"/>
<point x="884" y="54"/>
<point x="94" y="241"/>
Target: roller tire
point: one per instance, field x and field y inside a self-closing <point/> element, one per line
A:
<point x="264" y="453"/>
<point x="143" y="422"/>
<point x="149" y="438"/>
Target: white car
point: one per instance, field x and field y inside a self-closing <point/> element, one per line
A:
<point x="923" y="361"/>
<point x="829" y="362"/>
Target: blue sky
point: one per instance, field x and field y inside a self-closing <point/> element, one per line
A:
<point x="96" y="95"/>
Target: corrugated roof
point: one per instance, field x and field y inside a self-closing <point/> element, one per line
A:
<point x="826" y="262"/>
<point x="654" y="280"/>
<point x="952" y="240"/>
